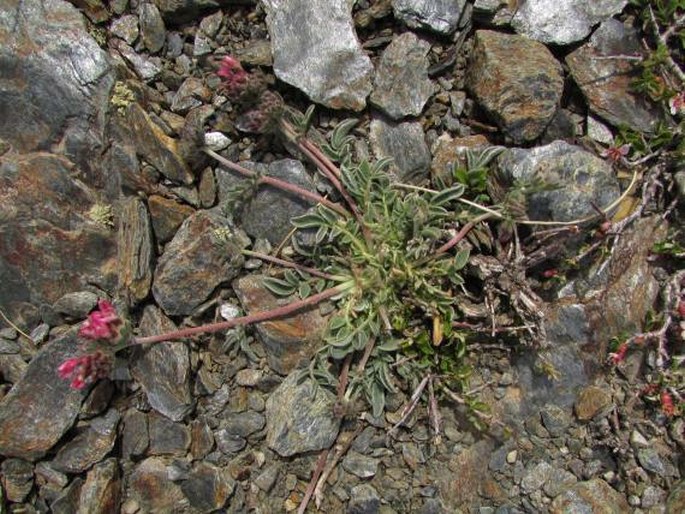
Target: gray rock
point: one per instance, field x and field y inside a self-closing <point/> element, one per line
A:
<point x="244" y="423"/>
<point x="67" y="501"/>
<point x="149" y="486"/>
<point x="163" y="369"/>
<point x="17" y="479"/>
<point x="268" y="214"/>
<point x="90" y="445"/>
<point x="135" y="250"/>
<point x="100" y="493"/>
<point x="562" y="21"/>
<point x="210" y="24"/>
<point x="151" y="26"/>
<point x="147" y="68"/>
<point x="581" y="179"/>
<point x="652" y="461"/>
<point x="208" y="487"/>
<point x="167" y="437"/>
<point x="607" y="83"/>
<point x="517" y="81"/>
<point x="401" y="86"/>
<point x="364" y="499"/>
<point x="560" y="481"/>
<point x="536" y="475"/>
<point x="167" y="215"/>
<point x="555" y="419"/>
<point x="441" y="16"/>
<point x="201" y="439"/>
<point x="360" y="465"/>
<point x="52" y="416"/>
<point x="405" y="144"/>
<point x="594" y="496"/>
<point x="299" y="418"/>
<point x="56" y="79"/>
<point x="229" y="443"/>
<point x="288" y="341"/>
<point x="76" y="305"/>
<point x="267" y="478"/>
<point x="591" y="400"/>
<point x="192" y="93"/>
<point x="135" y="438"/>
<point x="323" y="58"/>
<point x="126" y="28"/>
<point x="204" y="253"/>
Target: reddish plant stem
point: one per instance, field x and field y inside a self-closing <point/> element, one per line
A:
<point x="288" y="264"/>
<point x="318" y="469"/>
<point x="280" y="184"/>
<point x="458" y="237"/>
<point x="259" y="317"/>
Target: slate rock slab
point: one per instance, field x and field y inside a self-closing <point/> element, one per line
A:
<point x="402" y="87"/>
<point x="580" y="179"/>
<point x="606" y="83"/>
<point x="91" y="444"/>
<point x="441" y="16"/>
<point x="562" y="22"/>
<point x="267" y="215"/>
<point x="41" y="407"/>
<point x="101" y="492"/>
<point x="594" y="496"/>
<point x="208" y="487"/>
<point x="55" y="78"/>
<point x="289" y="341"/>
<point x="135" y="250"/>
<point x="149" y="486"/>
<point x="299" y="417"/>
<point x="517" y="81"/>
<point x="315" y="49"/>
<point x="163" y="369"/>
<point x="44" y="213"/>
<point x="204" y="253"/>
<point x="405" y="144"/>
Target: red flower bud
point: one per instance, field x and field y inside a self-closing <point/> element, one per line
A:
<point x="667" y="405"/>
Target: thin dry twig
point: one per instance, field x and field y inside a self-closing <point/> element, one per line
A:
<point x="411" y="405"/>
<point x="346" y="441"/>
<point x="318" y="469"/>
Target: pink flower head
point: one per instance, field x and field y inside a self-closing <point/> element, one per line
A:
<point x="677" y="103"/>
<point x="667" y="405"/>
<point x="235" y="77"/>
<point x="616" y="153"/>
<point x="102" y="323"/>
<point x="85" y="370"/>
<point x="620" y="353"/>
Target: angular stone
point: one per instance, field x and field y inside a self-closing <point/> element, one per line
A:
<point x="324" y="59"/>
<point x="582" y="180"/>
<point x="560" y="482"/>
<point x="401" y="86"/>
<point x="148" y="69"/>
<point x="36" y="38"/>
<point x="204" y="253"/>
<point x="76" y="305"/>
<point x="517" y="81"/>
<point x="289" y="341"/>
<point x="405" y="144"/>
<point x="149" y="486"/>
<point x="126" y="28"/>
<point x="606" y="83"/>
<point x="244" y="423"/>
<point x="192" y="93"/>
<point x="229" y="443"/>
<point x="448" y="152"/>
<point x="100" y="493"/>
<point x="441" y="16"/>
<point x="652" y="461"/>
<point x="89" y="446"/>
<point x="151" y="27"/>
<point x="45" y="217"/>
<point x="156" y="147"/>
<point x="207" y="188"/>
<point x="591" y="400"/>
<point x="555" y="419"/>
<point x="167" y="215"/>
<point x="468" y="471"/>
<point x="201" y="439"/>
<point x="68" y="501"/>
<point x="52" y="416"/>
<point x="135" y="250"/>
<point x="594" y="496"/>
<point x="17" y="479"/>
<point x="268" y="213"/>
<point x="167" y="437"/>
<point x="562" y="22"/>
<point x="208" y="487"/>
<point x="536" y="476"/>
<point x="676" y="498"/>
<point x="364" y="499"/>
<point x="360" y="465"/>
<point x="163" y="369"/>
<point x="135" y="438"/>
<point x="299" y="417"/>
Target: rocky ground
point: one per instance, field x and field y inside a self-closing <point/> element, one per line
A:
<point x="104" y="193"/>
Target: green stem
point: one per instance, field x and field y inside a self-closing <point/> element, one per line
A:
<point x="258" y="317"/>
<point x="280" y="184"/>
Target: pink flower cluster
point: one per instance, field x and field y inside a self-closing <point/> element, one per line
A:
<point x="86" y="369"/>
<point x="235" y="77"/>
<point x="677" y="103"/>
<point x="616" y="153"/>
<point x="102" y="323"/>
